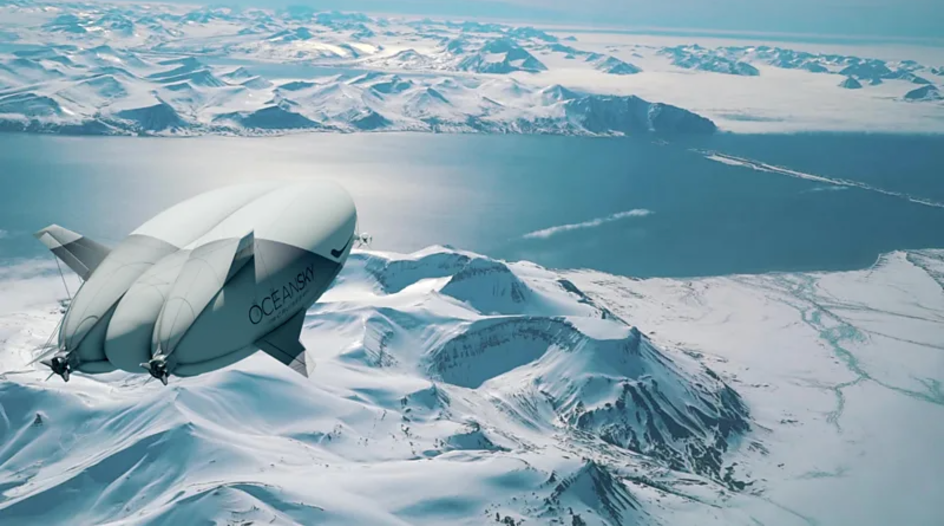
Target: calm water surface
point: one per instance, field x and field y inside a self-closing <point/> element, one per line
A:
<point x="485" y="193"/>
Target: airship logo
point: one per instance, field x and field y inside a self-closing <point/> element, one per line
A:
<point x="205" y="283"/>
<point x="277" y="303"/>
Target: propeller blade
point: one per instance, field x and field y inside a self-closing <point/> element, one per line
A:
<point x="44" y="354"/>
<point x="51" y="374"/>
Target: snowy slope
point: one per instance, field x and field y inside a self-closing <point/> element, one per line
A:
<point x="186" y="96"/>
<point x="434" y="368"/>
<point x="234" y="57"/>
<point x="842" y="373"/>
<point x="453" y="388"/>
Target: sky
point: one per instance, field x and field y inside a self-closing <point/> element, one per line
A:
<point x="907" y="20"/>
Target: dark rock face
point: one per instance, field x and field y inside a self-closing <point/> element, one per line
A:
<point x="631" y="115"/>
<point x="645" y="420"/>
<point x="867" y="70"/>
<point x="604" y="493"/>
<point x="275" y="118"/>
<point x="30" y="105"/>
<point x="668" y="119"/>
<point x="924" y="93"/>
<point x="152" y="118"/>
<point x="850" y="84"/>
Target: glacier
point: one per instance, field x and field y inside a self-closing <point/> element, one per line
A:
<point x="454" y="388"/>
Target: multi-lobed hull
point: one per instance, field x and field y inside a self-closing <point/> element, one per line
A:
<point x="206" y="282"/>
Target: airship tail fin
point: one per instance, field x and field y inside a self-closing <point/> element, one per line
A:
<point x="283" y="344"/>
<point x="80" y="253"/>
<point x="243" y="254"/>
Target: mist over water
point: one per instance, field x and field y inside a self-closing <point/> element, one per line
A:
<point x="491" y="193"/>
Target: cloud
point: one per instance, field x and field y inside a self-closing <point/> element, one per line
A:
<point x="548" y="232"/>
<point x="4" y="234"/>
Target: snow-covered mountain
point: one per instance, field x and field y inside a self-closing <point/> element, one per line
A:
<point x="927" y="92"/>
<point x="450" y="387"/>
<point x="850" y="84"/>
<point x="529" y="33"/>
<point x="535" y="400"/>
<point x="611" y="64"/>
<point x="501" y="56"/>
<point x="739" y="60"/>
<point x="184" y="96"/>
<point x="695" y="57"/>
<point x="47" y="46"/>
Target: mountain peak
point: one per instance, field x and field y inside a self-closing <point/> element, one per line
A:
<point x="850" y="83"/>
<point x="927" y="92"/>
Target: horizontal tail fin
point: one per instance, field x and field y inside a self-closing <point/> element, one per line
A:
<point x="283" y="344"/>
<point x="80" y="253"/>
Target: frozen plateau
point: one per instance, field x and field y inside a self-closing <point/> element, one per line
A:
<point x="173" y="70"/>
<point x="453" y="388"/>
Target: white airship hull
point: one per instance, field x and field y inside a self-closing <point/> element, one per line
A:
<point x="207" y="282"/>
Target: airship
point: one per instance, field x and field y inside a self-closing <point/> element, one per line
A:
<point x="205" y="283"/>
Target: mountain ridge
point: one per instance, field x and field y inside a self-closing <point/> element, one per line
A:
<point x="387" y="397"/>
<point x="184" y="96"/>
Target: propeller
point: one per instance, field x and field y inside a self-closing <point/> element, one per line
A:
<point x="157" y="368"/>
<point x="364" y="240"/>
<point x="59" y="365"/>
